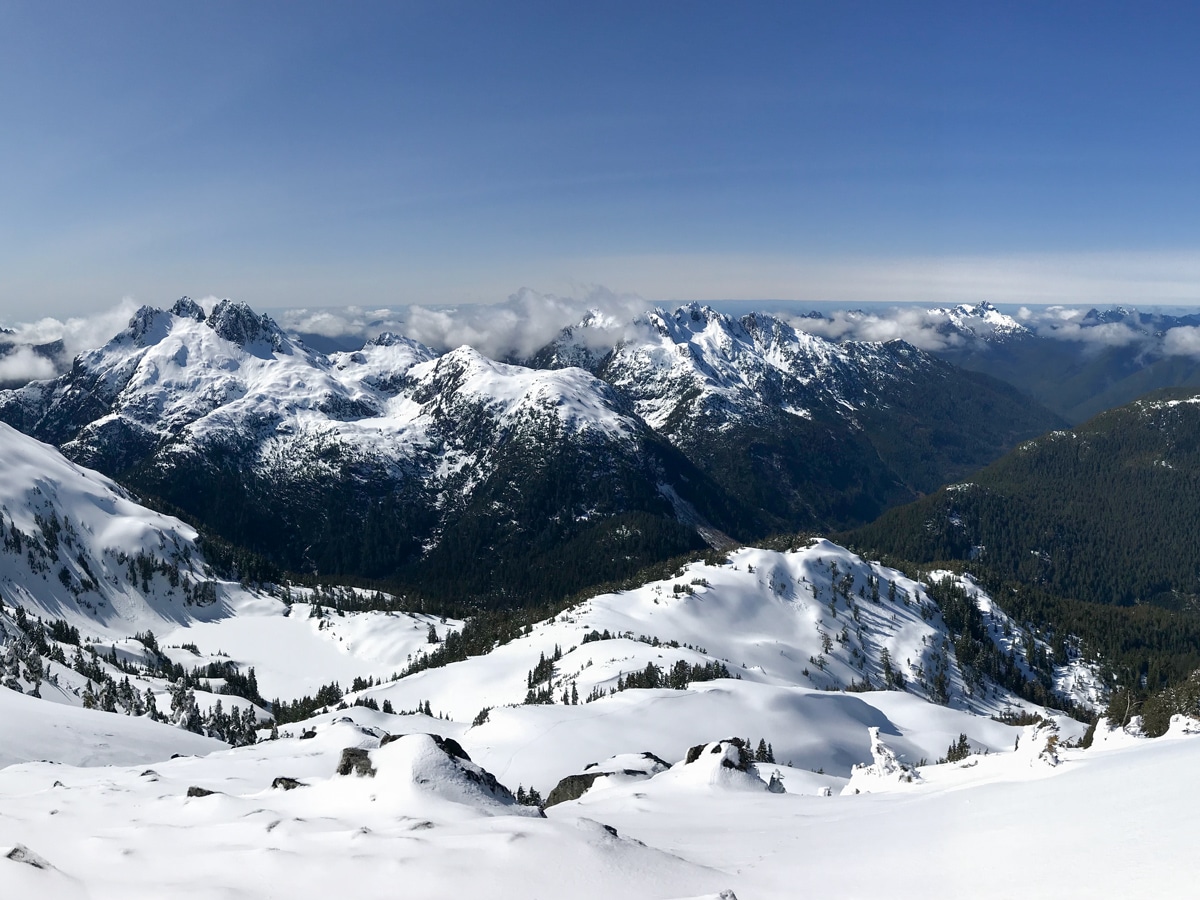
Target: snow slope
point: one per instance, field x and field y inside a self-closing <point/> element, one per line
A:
<point x="419" y="826"/>
<point x="775" y="618"/>
<point x="77" y="547"/>
<point x="982" y="826"/>
<point x="34" y="729"/>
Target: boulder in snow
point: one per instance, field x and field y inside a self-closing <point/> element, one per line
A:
<point x="355" y="761"/>
<point x="617" y="769"/>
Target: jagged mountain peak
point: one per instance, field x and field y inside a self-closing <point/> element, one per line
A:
<point x="147" y="326"/>
<point x="187" y="308"/>
<point x="982" y="321"/>
<point x="391" y="339"/>
<point x="237" y="323"/>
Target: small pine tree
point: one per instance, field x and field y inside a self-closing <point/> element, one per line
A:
<point x="959" y="750"/>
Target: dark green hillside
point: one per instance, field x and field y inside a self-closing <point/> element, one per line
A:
<point x="1093" y="532"/>
<point x="1108" y="513"/>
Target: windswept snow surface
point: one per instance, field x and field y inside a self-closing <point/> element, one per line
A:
<point x="1119" y="816"/>
<point x="32" y="729"/>
<point x="419" y="828"/>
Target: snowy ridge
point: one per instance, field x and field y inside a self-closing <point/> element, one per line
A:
<point x="227" y="418"/>
<point x="982" y="321"/>
<point x="77" y="547"/>
<point x="1078" y="679"/>
<point x="771" y="618"/>
<point x="177" y="376"/>
<point x="693" y="362"/>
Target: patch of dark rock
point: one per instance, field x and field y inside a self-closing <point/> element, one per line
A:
<point x="22" y="854"/>
<point x="572" y="788"/>
<point x="195" y="791"/>
<point x="355" y="761"/>
<point x="450" y="747"/>
<point x="284" y="783"/>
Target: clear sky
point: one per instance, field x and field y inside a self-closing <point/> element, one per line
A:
<point x="382" y="153"/>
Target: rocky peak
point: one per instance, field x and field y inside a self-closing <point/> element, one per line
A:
<point x="148" y="325"/>
<point x="187" y="308"/>
<point x="237" y="323"/>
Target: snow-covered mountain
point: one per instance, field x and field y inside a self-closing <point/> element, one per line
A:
<point x="458" y="473"/>
<point x="982" y="321"/>
<point x="815" y="433"/>
<point x="372" y="461"/>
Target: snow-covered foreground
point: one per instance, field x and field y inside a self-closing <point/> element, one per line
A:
<point x="1116" y="820"/>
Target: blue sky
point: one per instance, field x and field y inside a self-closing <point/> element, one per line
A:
<point x="384" y="153"/>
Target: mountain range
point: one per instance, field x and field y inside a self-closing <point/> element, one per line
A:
<point x="1076" y="363"/>
<point x="733" y="721"/>
<point x="460" y="476"/>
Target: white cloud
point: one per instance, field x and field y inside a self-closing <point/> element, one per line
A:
<point x="23" y="364"/>
<point x="515" y="328"/>
<point x="918" y="327"/>
<point x="1182" y="341"/>
<point x="77" y="333"/>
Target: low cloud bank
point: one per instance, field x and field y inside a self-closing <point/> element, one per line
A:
<point x="24" y="364"/>
<point x="952" y="327"/>
<point x="519" y="326"/>
<point x="513" y="329"/>
<point x="58" y="341"/>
